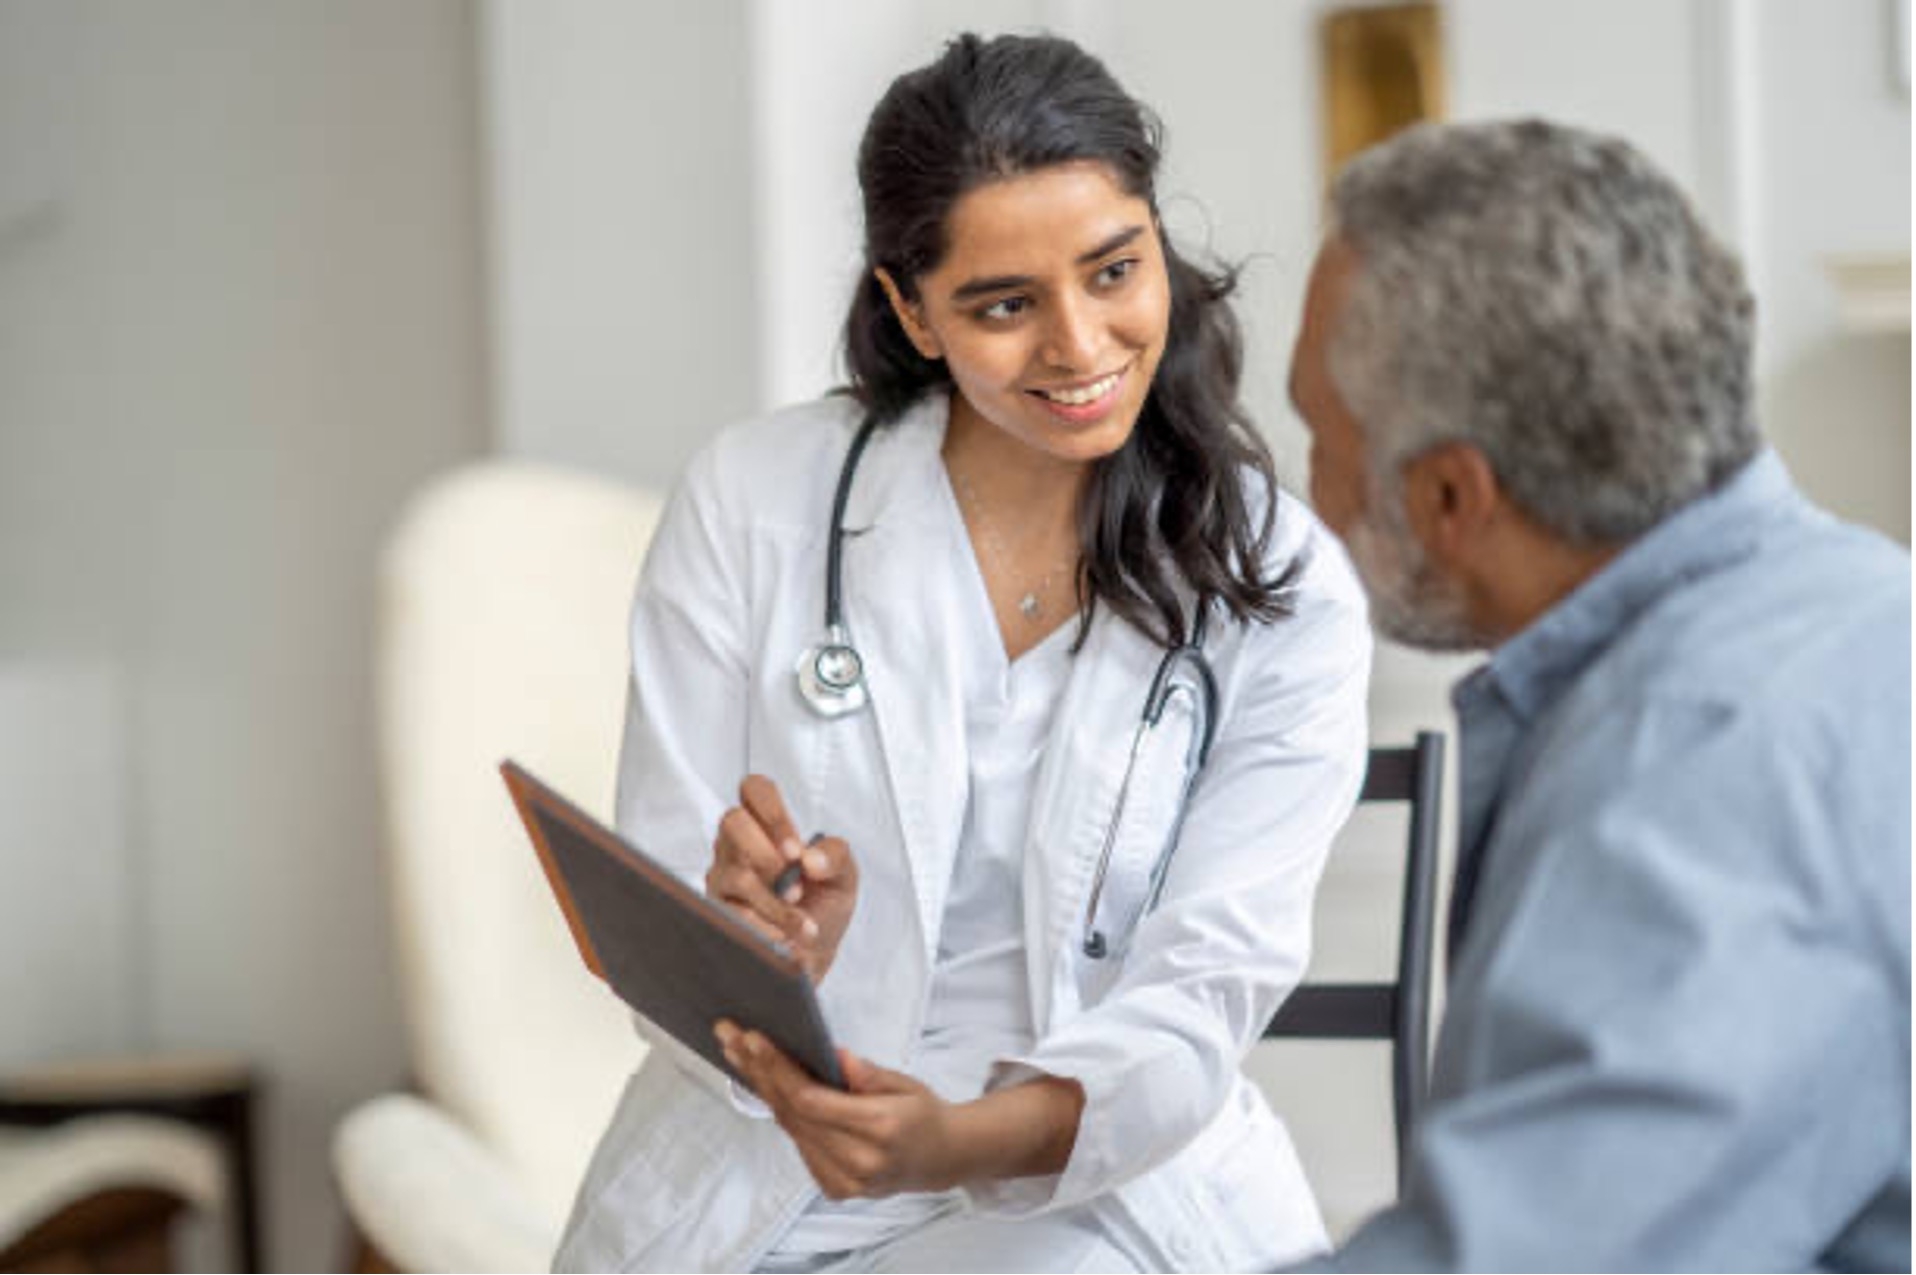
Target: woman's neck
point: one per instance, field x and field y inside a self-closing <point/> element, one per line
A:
<point x="1028" y="494"/>
<point x="1020" y="507"/>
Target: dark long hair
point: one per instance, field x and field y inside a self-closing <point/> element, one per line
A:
<point x="1172" y="503"/>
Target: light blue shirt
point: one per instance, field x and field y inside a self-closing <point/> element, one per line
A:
<point x="1677" y="1033"/>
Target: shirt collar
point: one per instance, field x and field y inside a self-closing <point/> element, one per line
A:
<point x="1528" y="670"/>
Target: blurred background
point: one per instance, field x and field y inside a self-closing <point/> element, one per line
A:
<point x="266" y="269"/>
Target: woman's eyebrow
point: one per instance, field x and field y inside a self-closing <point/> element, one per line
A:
<point x="1008" y="282"/>
<point x="1111" y="245"/>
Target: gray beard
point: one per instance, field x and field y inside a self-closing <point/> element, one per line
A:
<point x="1410" y="600"/>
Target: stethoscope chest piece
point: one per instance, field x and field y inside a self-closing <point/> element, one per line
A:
<point x="831" y="676"/>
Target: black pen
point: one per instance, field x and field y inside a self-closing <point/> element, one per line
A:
<point x="790" y="875"/>
<point x="794" y="872"/>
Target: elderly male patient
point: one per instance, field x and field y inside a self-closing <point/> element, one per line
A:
<point x="1677" y="1030"/>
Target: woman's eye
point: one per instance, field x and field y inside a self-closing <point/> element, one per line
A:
<point x="1008" y="308"/>
<point x="1115" y="273"/>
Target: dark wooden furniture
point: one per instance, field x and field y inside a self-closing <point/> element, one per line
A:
<point x="1397" y="1011"/>
<point x="217" y="1093"/>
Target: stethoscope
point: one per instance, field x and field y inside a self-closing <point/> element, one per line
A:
<point x="831" y="679"/>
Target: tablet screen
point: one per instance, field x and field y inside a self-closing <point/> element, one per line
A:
<point x="676" y="957"/>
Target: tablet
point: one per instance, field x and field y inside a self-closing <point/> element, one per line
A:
<point x="675" y="956"/>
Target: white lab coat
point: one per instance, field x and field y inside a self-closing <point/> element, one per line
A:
<point x="1177" y="1154"/>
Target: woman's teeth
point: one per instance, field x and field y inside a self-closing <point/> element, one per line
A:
<point x="1088" y="394"/>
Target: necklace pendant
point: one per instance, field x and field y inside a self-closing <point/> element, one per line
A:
<point x="1028" y="604"/>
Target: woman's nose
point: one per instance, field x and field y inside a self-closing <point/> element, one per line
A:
<point x="1072" y="339"/>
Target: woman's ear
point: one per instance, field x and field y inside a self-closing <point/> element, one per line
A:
<point x="910" y="316"/>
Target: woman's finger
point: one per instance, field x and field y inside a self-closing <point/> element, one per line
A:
<point x="752" y="1066"/>
<point x="743" y="839"/>
<point x="763" y="1064"/>
<point x="785" y="1080"/>
<point x="790" y="1090"/>
<point x="835" y="1155"/>
<point x="761" y="797"/>
<point x="831" y="1179"/>
<point x="818" y="1105"/>
<point x="828" y="859"/>
<point x="756" y="923"/>
<point x="744" y="865"/>
<point x="839" y="1159"/>
<point x="779" y="922"/>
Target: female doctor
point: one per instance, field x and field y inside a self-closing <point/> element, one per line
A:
<point x="1018" y="653"/>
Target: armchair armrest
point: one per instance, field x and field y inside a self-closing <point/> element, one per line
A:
<point x="44" y="1172"/>
<point x="431" y="1197"/>
<point x="212" y="1092"/>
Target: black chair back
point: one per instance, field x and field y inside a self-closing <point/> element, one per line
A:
<point x="1398" y="1011"/>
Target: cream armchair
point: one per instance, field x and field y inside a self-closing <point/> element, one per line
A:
<point x="501" y="632"/>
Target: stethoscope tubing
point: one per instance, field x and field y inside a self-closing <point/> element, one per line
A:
<point x="1163" y="687"/>
<point x="835" y="543"/>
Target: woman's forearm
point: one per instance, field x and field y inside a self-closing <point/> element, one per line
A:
<point x="1024" y="1130"/>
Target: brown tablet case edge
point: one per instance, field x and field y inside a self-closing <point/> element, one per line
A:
<point x="521" y="785"/>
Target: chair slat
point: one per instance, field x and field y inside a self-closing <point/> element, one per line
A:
<point x="1391" y="775"/>
<point x="1337" y="1011"/>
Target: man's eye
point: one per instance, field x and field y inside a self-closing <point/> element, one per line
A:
<point x="1008" y="308"/>
<point x="1116" y="272"/>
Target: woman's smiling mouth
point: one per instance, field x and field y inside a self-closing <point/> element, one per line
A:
<point x="1082" y="402"/>
<point x="1078" y="396"/>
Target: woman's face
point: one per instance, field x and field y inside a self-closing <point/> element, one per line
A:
<point x="1050" y="308"/>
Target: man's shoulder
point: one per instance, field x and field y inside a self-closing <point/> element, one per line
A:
<point x="1791" y="657"/>
<point x="1758" y="716"/>
<point x="1814" y="618"/>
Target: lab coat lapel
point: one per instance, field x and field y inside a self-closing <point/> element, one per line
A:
<point x="1071" y="806"/>
<point x="900" y="602"/>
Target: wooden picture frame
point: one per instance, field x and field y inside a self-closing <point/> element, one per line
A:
<point x="1382" y="71"/>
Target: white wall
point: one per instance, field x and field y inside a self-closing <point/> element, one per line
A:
<point x="239" y="319"/>
<point x="63" y="756"/>
<point x="1832" y="180"/>
<point x="621" y="200"/>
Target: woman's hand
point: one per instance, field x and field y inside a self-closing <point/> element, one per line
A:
<point x="756" y="841"/>
<point x="889" y="1134"/>
<point x="892" y="1134"/>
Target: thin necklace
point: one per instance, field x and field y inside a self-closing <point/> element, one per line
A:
<point x="1032" y="605"/>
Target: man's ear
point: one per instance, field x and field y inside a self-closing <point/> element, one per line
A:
<point x="1453" y="500"/>
<point x="910" y="316"/>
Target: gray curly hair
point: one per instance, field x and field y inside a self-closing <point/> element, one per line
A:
<point x="1549" y="297"/>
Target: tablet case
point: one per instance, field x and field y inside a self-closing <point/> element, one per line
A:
<point x="675" y="956"/>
